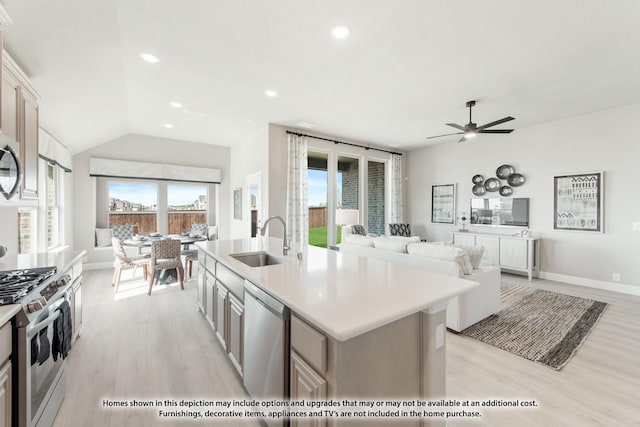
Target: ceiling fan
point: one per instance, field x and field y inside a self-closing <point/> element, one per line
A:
<point x="471" y="129"/>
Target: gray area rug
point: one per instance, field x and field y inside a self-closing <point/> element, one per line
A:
<point x="541" y="326"/>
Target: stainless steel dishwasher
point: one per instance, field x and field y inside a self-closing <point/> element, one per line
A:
<point x="266" y="346"/>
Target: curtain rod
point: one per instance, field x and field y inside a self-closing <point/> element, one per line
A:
<point x="335" y="141"/>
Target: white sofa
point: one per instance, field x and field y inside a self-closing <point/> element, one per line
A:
<point x="463" y="310"/>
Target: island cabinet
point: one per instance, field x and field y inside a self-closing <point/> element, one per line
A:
<point x="6" y="344"/>
<point x="308" y="365"/>
<point x="19" y="121"/>
<point x="220" y="300"/>
<point x="369" y="366"/>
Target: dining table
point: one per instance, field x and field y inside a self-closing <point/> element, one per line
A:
<point x="166" y="276"/>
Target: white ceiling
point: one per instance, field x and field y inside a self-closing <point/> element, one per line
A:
<point x="408" y="67"/>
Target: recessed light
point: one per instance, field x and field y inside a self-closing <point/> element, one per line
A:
<point x="168" y="125"/>
<point x="271" y="93"/>
<point x="305" y="125"/>
<point x="147" y="57"/>
<point x="340" y="31"/>
<point x="175" y="104"/>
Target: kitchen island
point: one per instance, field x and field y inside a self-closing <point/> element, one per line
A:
<point x="360" y="328"/>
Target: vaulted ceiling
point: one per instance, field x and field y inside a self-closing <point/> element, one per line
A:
<point x="406" y="69"/>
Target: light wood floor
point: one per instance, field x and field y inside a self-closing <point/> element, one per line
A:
<point x="138" y="347"/>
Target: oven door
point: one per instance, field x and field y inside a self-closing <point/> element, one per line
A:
<point x="41" y="384"/>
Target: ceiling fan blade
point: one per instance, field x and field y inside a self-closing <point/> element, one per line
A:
<point x="455" y="126"/>
<point x="463" y="139"/>
<point x="497" y="122"/>
<point x="446" y="134"/>
<point x="495" y="131"/>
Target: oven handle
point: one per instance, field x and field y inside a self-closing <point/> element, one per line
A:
<point x="40" y="326"/>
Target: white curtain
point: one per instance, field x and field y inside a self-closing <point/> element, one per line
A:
<point x="297" y="198"/>
<point x="395" y="210"/>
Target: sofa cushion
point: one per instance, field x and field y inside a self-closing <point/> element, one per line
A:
<point x="356" y="239"/>
<point x="394" y="243"/>
<point x="442" y="252"/>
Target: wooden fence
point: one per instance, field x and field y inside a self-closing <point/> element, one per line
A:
<point x="147" y="222"/>
<point x="317" y="217"/>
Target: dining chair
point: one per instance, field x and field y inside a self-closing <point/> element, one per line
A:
<point x="190" y="256"/>
<point x="123" y="261"/>
<point x="165" y="254"/>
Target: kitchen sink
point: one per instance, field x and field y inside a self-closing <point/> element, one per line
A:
<point x="257" y="259"/>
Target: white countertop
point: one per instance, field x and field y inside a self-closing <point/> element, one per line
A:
<point x="344" y="295"/>
<point x="8" y="311"/>
<point x="61" y="259"/>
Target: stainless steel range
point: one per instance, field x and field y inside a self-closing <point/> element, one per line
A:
<point x="43" y="341"/>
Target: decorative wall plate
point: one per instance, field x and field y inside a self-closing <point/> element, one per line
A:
<point x="477" y="179"/>
<point x="479" y="190"/>
<point x="505" y="190"/>
<point x="492" y="184"/>
<point x="504" y="171"/>
<point x="516" y="180"/>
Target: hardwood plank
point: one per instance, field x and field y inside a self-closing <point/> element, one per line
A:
<point x="160" y="346"/>
<point x="597" y="387"/>
<point x="136" y="346"/>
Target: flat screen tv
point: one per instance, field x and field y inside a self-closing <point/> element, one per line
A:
<point x="510" y="212"/>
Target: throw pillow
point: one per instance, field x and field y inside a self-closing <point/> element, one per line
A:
<point x="103" y="237"/>
<point x="475" y="254"/>
<point x="400" y="230"/>
<point x="358" y="229"/>
<point x="443" y="253"/>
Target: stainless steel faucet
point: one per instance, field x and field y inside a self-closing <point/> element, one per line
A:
<point x="285" y="247"/>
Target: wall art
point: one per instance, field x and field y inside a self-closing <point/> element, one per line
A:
<point x="443" y="203"/>
<point x="577" y="202"/>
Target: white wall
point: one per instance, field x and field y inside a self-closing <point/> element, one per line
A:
<point x="606" y="141"/>
<point x="145" y="149"/>
<point x="250" y="156"/>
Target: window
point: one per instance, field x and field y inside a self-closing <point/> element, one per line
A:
<point x="27" y="226"/>
<point x="133" y="203"/>
<point x="351" y="185"/>
<point x="52" y="200"/>
<point x="187" y="204"/>
<point x="317" y="176"/>
<point x="376" y="197"/>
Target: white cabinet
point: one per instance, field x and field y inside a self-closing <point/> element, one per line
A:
<point x="220" y="313"/>
<point x="19" y="121"/>
<point x="235" y="339"/>
<point x="467" y="239"/>
<point x="223" y="309"/>
<point x="5" y="394"/>
<point x="513" y="253"/>
<point x="209" y="296"/>
<point x="491" y="248"/>
<point x="6" y="347"/>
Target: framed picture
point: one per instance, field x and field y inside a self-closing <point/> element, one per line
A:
<point x="577" y="202"/>
<point x="443" y="203"/>
<point x="237" y="203"/>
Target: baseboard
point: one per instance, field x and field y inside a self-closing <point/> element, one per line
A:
<point x="97" y="265"/>
<point x="590" y="283"/>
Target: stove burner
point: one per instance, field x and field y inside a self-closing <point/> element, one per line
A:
<point x="15" y="284"/>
